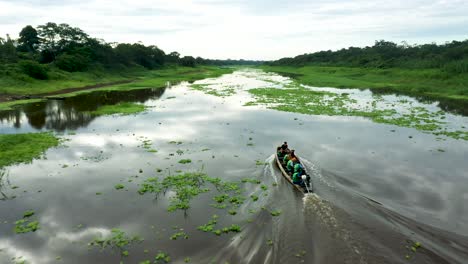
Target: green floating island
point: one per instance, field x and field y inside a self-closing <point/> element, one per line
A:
<point x="121" y="108"/>
<point x="23" y="148"/>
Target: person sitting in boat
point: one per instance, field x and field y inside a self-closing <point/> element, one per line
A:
<point x="298" y="172"/>
<point x="288" y="156"/>
<point x="290" y="165"/>
<point x="285" y="147"/>
<point x="280" y="152"/>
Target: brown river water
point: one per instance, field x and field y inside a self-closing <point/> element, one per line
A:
<point x="378" y="188"/>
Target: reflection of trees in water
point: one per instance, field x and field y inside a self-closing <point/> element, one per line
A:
<point x="4" y="181"/>
<point x="73" y="112"/>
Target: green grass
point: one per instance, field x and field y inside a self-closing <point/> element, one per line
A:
<point x="426" y="82"/>
<point x="10" y="105"/>
<point x="121" y="108"/>
<point x="141" y="79"/>
<point x="23" y="148"/>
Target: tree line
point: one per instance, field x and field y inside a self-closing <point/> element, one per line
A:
<point x="451" y="57"/>
<point x="71" y="49"/>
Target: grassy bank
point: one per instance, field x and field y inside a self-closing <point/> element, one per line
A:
<point x="432" y="83"/>
<point x="23" y="148"/>
<point x="140" y="78"/>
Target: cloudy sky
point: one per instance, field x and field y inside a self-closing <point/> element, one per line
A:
<point x="249" y="29"/>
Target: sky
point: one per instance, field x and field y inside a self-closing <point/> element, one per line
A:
<point x="247" y="29"/>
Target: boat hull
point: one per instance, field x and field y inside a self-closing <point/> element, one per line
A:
<point x="287" y="177"/>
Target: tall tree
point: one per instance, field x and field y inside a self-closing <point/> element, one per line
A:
<point x="28" y="40"/>
<point x="60" y="38"/>
<point x="7" y="50"/>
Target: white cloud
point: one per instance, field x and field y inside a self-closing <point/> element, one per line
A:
<point x="256" y="29"/>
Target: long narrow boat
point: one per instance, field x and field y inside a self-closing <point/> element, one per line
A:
<point x="288" y="178"/>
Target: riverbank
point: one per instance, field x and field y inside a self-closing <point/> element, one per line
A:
<point x="429" y="83"/>
<point x="24" y="91"/>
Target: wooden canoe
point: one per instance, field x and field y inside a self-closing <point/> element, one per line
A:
<point x="288" y="178"/>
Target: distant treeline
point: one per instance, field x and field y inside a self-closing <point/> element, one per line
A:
<point x="70" y="49"/>
<point x="450" y="57"/>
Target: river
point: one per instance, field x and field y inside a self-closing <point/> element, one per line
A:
<point x="378" y="188"/>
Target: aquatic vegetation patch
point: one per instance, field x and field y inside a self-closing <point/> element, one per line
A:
<point x="147" y="145"/>
<point x="215" y="89"/>
<point x="23" y="148"/>
<point x="118" y="240"/>
<point x="254" y="197"/>
<point x="311" y="102"/>
<point x="186" y="186"/>
<point x="179" y="234"/>
<point x="209" y="227"/>
<point x="412" y="247"/>
<point x="185" y="161"/>
<point x="121" y="108"/>
<point x="119" y="186"/>
<point x="251" y="180"/>
<point x="26" y="224"/>
<point x="162" y="257"/>
<point x="275" y="213"/>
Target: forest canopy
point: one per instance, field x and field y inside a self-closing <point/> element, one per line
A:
<point x="451" y="57"/>
<point x="70" y="49"/>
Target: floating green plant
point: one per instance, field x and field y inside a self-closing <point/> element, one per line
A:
<point x="25" y="224"/>
<point x="179" y="234"/>
<point x="118" y="240"/>
<point x="210" y="225"/>
<point x="185" y="161"/>
<point x="28" y="213"/>
<point x="119" y="186"/>
<point x="186" y="186"/>
<point x="121" y="108"/>
<point x="162" y="257"/>
<point x="232" y="212"/>
<point x="275" y="213"/>
<point x="251" y="180"/>
<point x="220" y="91"/>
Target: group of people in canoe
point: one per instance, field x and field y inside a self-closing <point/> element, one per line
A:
<point x="292" y="165"/>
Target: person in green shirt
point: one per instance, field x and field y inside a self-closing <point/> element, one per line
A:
<point x="298" y="171"/>
<point x="290" y="165"/>
<point x="289" y="156"/>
